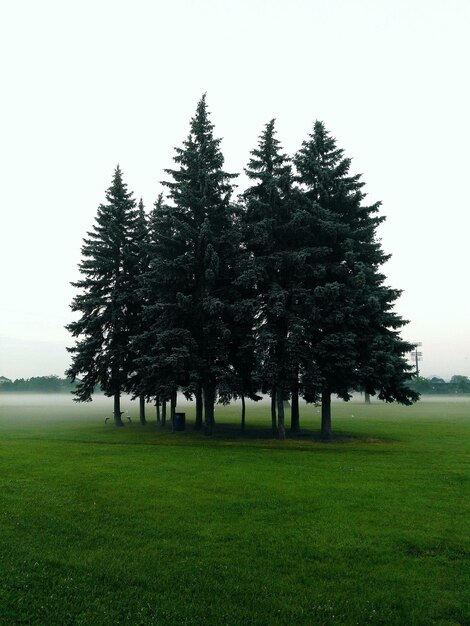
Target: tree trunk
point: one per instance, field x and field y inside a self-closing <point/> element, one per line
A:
<point x="243" y="412"/>
<point x="326" y="414"/>
<point x="366" y="397"/>
<point x="281" y="430"/>
<point x="163" y="413"/>
<point x="172" y="409"/>
<point x="117" y="409"/>
<point x="157" y="408"/>
<point x="199" y="407"/>
<point x="294" y="411"/>
<point x="209" y="408"/>
<point x="143" y="421"/>
<point x="273" y="412"/>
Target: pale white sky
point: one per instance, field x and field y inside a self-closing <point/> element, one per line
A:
<point x="89" y="84"/>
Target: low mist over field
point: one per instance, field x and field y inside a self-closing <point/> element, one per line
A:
<point x="62" y="406"/>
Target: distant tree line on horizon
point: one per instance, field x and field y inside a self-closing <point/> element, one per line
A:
<point x="458" y="384"/>
<point x="39" y="384"/>
<point x="278" y="291"/>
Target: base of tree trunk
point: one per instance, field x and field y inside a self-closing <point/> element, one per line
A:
<point x="117" y="410"/>
<point x="243" y="413"/>
<point x="273" y="413"/>
<point x="209" y="398"/>
<point x="173" y="409"/>
<point x="294" y="412"/>
<point x="143" y="421"/>
<point x="199" y="408"/>
<point x="281" y="429"/>
<point x="157" y="409"/>
<point x="326" y="432"/>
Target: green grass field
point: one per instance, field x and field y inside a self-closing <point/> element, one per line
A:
<point x="137" y="526"/>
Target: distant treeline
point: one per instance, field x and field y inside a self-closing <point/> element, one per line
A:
<point x="39" y="384"/>
<point x="53" y="384"/>
<point x="457" y="384"/>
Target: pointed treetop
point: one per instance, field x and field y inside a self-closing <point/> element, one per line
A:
<point x="202" y="105"/>
<point x="159" y="201"/>
<point x="268" y="162"/>
<point x="320" y="143"/>
<point x="117" y="191"/>
<point x="322" y="166"/>
<point x="269" y="154"/>
<point x="117" y="173"/>
<point x="201" y="126"/>
<point x="141" y="220"/>
<point x="200" y="161"/>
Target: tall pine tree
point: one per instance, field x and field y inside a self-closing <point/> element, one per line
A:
<point x="193" y="253"/>
<point x="166" y="349"/>
<point x="240" y="381"/>
<point x="138" y="383"/>
<point x="275" y="225"/>
<point x="107" y="301"/>
<point x="353" y="331"/>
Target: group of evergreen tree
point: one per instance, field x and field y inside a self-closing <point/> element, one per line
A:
<point x="278" y="291"/>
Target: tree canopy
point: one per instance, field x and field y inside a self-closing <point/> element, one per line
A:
<point x="354" y="329"/>
<point x="107" y="301"/>
<point x="280" y="291"/>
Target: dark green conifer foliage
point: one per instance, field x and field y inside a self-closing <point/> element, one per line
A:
<point x="107" y="299"/>
<point x="240" y="381"/>
<point x="193" y="252"/>
<point x="138" y="381"/>
<point x="279" y="256"/>
<point x="163" y="349"/>
<point x="354" y="330"/>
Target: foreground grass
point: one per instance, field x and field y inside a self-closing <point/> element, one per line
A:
<point x="137" y="526"/>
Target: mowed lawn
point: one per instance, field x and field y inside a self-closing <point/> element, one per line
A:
<point x="100" y="525"/>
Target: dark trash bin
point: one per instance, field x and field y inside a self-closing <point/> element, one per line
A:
<point x="180" y="421"/>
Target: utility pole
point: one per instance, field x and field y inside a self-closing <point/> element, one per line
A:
<point x="417" y="356"/>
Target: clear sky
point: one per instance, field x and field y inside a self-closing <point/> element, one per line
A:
<point x="89" y="84"/>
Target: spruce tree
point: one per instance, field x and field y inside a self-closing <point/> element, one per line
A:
<point x="163" y="347"/>
<point x="275" y="224"/>
<point x="353" y="331"/>
<point x="193" y="254"/>
<point x="138" y="384"/>
<point x="240" y="381"/>
<point x="107" y="299"/>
